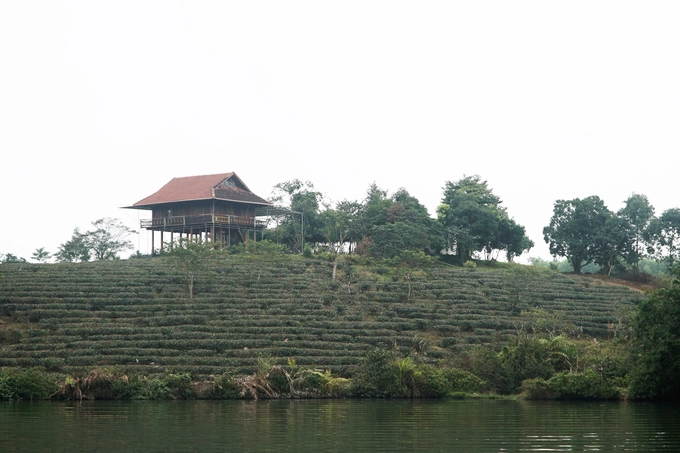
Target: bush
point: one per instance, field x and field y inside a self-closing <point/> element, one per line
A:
<point x="432" y="382"/>
<point x="264" y="247"/>
<point x="34" y="383"/>
<point x="463" y="381"/>
<point x="571" y="386"/>
<point x="375" y="375"/>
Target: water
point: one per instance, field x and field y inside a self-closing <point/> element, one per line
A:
<point x="338" y="426"/>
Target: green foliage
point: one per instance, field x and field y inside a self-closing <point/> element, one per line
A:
<point x="383" y="374"/>
<point x="41" y="255"/>
<point x="663" y="237"/>
<point x="469" y="264"/>
<point x="657" y="344"/>
<point x="264" y="247"/>
<point x="390" y="225"/>
<point x="34" y="383"/>
<point x="376" y="375"/>
<point x="463" y="381"/>
<point x="524" y="357"/>
<point x="10" y="258"/>
<point x="301" y="197"/>
<point x="475" y="221"/>
<point x="576" y="230"/>
<point x="588" y="385"/>
<point x="638" y="213"/>
<point x="108" y="238"/>
<point x="307" y="252"/>
<point x="190" y="257"/>
<point x="391" y="239"/>
<point x="103" y="242"/>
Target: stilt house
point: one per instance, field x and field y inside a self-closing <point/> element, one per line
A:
<point x="217" y="208"/>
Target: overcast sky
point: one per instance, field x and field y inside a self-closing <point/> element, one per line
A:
<point x="101" y="103"/>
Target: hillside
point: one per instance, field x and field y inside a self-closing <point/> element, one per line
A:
<point x="136" y="313"/>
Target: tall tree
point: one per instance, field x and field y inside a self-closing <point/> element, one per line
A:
<point x="576" y="230"/>
<point x="513" y="239"/>
<point x="614" y="244"/>
<point x="474" y="220"/>
<point x="301" y="197"/>
<point x="108" y="238"/>
<point x="391" y="224"/>
<point x="190" y="258"/>
<point x="663" y="235"/>
<point x="75" y="249"/>
<point x="638" y="213"/>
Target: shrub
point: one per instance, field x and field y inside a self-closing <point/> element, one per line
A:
<point x="264" y="247"/>
<point x="307" y="252"/>
<point x="375" y="375"/>
<point x="31" y="384"/>
<point x="432" y="382"/>
<point x="566" y="385"/>
<point x="463" y="381"/>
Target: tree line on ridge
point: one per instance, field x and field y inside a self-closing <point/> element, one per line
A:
<point x="471" y="222"/>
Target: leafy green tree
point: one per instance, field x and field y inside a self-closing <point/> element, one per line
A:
<point x="513" y="239"/>
<point x="576" y="230"/>
<point x="11" y="258"/>
<point x="300" y="197"/>
<point x="347" y="220"/>
<point x="391" y="239"/>
<point x="189" y="258"/>
<point x="656" y="344"/>
<point x="374" y="209"/>
<point x="104" y="242"/>
<point x="392" y="224"/>
<point x="638" y="213"/>
<point x="75" y="249"/>
<point x="663" y="236"/>
<point x="410" y="261"/>
<point x="336" y="225"/>
<point x="614" y="244"/>
<point x="474" y="220"/>
<point x="41" y="255"/>
<point x="108" y="238"/>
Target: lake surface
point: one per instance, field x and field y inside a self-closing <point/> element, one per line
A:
<point x="338" y="426"/>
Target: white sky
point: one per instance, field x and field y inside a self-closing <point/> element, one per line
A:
<point x="101" y="103"/>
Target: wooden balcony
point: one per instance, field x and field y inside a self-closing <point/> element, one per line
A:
<point x="185" y="223"/>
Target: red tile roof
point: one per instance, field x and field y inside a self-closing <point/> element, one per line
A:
<point x="190" y="188"/>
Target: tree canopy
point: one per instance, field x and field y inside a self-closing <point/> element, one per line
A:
<point x="474" y="220"/>
<point x="576" y="230"/>
<point x="585" y="231"/>
<point x="108" y="238"/>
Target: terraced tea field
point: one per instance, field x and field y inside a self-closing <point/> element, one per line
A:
<point x="137" y="314"/>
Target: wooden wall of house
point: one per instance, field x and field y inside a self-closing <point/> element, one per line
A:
<point x="203" y="207"/>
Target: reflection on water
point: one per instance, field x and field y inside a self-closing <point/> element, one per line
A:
<point x="338" y="425"/>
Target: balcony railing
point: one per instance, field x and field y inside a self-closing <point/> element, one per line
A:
<point x="205" y="219"/>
